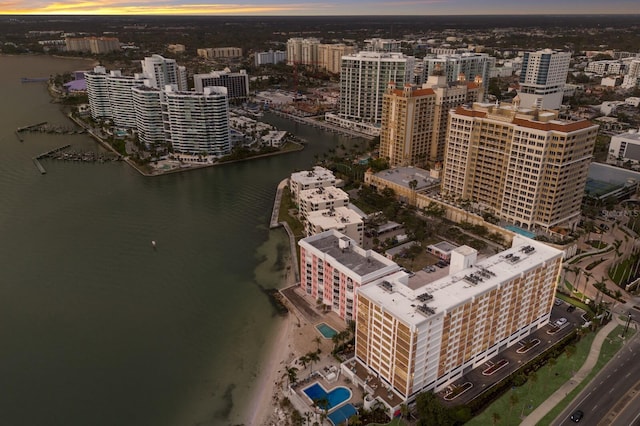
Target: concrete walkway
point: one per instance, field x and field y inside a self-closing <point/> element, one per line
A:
<point x="557" y="397"/>
<point x="276" y="204"/>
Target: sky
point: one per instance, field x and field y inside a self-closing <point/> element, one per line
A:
<point x="317" y="7"/>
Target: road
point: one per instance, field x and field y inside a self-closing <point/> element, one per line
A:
<point x="612" y="397"/>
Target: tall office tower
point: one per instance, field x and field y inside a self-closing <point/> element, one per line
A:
<point x="197" y="123"/>
<point x="382" y="45"/>
<point x="121" y="98"/>
<point x="148" y="111"/>
<point x="302" y="51"/>
<point x="330" y="56"/>
<point x="333" y="267"/>
<point x="237" y="83"/>
<point x="363" y="80"/>
<point x="98" y="93"/>
<point x="414" y="120"/>
<point x="470" y="65"/>
<point x="162" y="72"/>
<point x="542" y="79"/>
<point x="422" y="333"/>
<point x="526" y="166"/>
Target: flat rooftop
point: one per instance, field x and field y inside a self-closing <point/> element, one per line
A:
<point x="359" y="261"/>
<point x="402" y="295"/>
<point x="403" y="175"/>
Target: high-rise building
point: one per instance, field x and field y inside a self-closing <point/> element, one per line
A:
<point x="542" y="78"/>
<point x="470" y="65"/>
<point x="237" y="83"/>
<point x="363" y="80"/>
<point x="526" y="166"/>
<point x="414" y="120"/>
<point x="303" y="51"/>
<point x="197" y="123"/>
<point x="98" y="93"/>
<point x="270" y="57"/>
<point x="219" y="52"/>
<point x="149" y="117"/>
<point x="96" y="45"/>
<point x="162" y="72"/>
<point x="330" y="56"/>
<point x="382" y="45"/>
<point x="418" y="333"/>
<point x="333" y="267"/>
<point x="121" y="98"/>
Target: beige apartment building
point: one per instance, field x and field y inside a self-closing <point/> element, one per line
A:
<point x="414" y="120"/>
<point x="330" y="56"/>
<point x="423" y="332"/>
<point x="526" y="166"/>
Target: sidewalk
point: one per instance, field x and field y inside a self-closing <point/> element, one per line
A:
<point x="557" y="397"/>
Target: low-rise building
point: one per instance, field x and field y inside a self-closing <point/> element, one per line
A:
<point x="319" y="177"/>
<point x="342" y="219"/>
<point x="406" y="182"/>
<point x="323" y="198"/>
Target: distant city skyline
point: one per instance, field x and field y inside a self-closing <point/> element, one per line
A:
<point x="296" y="7"/>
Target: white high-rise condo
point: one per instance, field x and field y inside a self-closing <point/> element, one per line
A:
<point x="542" y="79"/>
<point x="198" y="123"/>
<point x="121" y="98"/>
<point x="162" y="72"/>
<point x="149" y="117"/>
<point x="98" y="93"/>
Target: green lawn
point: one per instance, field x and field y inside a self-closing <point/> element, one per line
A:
<point x="549" y="379"/>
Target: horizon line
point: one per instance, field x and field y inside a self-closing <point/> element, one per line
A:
<point x="315" y="16"/>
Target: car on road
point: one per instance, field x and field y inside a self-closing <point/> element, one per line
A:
<point x="560" y="322"/>
<point x="576" y="416"/>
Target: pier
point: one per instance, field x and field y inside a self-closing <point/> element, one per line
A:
<point x="18" y="136"/>
<point x="33" y="126"/>
<point x="48" y="153"/>
<point x="38" y="165"/>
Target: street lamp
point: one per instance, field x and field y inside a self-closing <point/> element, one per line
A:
<point x="626" y="327"/>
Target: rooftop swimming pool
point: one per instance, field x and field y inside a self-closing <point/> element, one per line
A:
<point x="334" y="397"/>
<point x="326" y="331"/>
<point x="520" y="231"/>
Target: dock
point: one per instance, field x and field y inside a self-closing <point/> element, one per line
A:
<point x="33" y="79"/>
<point x="38" y="165"/>
<point x="18" y="136"/>
<point x="33" y="126"/>
<point x="48" y="153"/>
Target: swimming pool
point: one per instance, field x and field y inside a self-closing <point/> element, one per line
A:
<point x="342" y="414"/>
<point x="326" y="331"/>
<point x="520" y="231"/>
<point x="335" y="397"/>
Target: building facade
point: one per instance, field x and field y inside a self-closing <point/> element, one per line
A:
<point x="121" y="98"/>
<point x="333" y="267"/>
<point x="414" y="120"/>
<point x="197" y="123"/>
<point x="96" y="45"/>
<point x="237" y="83"/>
<point x="302" y="51"/>
<point x="162" y="72"/>
<point x="219" y="52"/>
<point x="98" y="93"/>
<point x="330" y="56"/>
<point x="323" y="198"/>
<point x="525" y="166"/>
<point x="469" y="64"/>
<point x="625" y="147"/>
<point x="319" y="177"/>
<point x="270" y="57"/>
<point x="542" y="78"/>
<point x="419" y="333"/>
<point x="363" y="81"/>
<point x="149" y="116"/>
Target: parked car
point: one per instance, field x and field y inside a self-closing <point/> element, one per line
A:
<point x="560" y="322"/>
<point x="557" y="302"/>
<point x="571" y="308"/>
<point x="576" y="416"/>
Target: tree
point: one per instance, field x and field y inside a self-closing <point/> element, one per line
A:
<point x="304" y="360"/>
<point x="292" y="375"/>
<point x="318" y="341"/>
<point x="313" y="357"/>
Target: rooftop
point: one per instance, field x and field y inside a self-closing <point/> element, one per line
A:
<point x="361" y="262"/>
<point x="403" y="175"/>
<point x="404" y="296"/>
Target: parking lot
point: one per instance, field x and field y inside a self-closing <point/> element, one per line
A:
<point x="508" y="361"/>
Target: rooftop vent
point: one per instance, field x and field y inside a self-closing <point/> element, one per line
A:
<point x="425" y="310"/>
<point x="424" y="297"/>
<point x="386" y="285"/>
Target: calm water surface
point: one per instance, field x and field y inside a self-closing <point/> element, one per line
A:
<point x="96" y="327"/>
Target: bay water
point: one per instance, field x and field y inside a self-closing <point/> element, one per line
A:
<point x="97" y="327"/>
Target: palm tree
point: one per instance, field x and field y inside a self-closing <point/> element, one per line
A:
<point x="318" y="341"/>
<point x="292" y="375"/>
<point x="404" y="411"/>
<point x="312" y="357"/>
<point x="587" y="275"/>
<point x="304" y="360"/>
